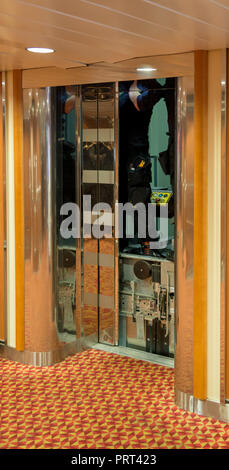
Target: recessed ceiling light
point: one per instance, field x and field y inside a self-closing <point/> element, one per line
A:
<point x="40" y="50"/>
<point x="146" y="69"/>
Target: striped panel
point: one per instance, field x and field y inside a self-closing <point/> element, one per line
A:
<point x="15" y="219"/>
<point x="2" y="223"/>
<point x="10" y="214"/>
<point x="215" y="67"/>
<point x="200" y="225"/>
<point x="19" y="208"/>
<point x="227" y="242"/>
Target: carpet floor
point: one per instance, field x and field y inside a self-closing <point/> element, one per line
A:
<point x="99" y="400"/>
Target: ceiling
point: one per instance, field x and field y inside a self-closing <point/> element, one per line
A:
<point x="86" y="32"/>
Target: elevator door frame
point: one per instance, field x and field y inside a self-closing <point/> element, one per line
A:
<point x="184" y="65"/>
<point x="184" y="216"/>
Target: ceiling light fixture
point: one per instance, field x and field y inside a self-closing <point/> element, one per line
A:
<point x="146" y="69"/>
<point x="40" y="50"/>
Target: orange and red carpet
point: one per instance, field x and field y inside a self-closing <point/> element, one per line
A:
<point x="97" y="400"/>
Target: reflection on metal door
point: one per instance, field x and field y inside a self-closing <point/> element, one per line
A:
<point x="66" y="174"/>
<point x="69" y="155"/>
<point x="98" y="188"/>
<point x="84" y="175"/>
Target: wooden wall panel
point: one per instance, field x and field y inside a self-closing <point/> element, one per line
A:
<point x="19" y="205"/>
<point x="2" y="223"/>
<point x="216" y="189"/>
<point x="200" y="224"/>
<point x="227" y="244"/>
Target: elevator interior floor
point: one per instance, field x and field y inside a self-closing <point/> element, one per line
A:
<point x="99" y="400"/>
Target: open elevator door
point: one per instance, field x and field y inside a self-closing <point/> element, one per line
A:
<point x="85" y="274"/>
<point x="116" y="292"/>
<point x="129" y="289"/>
<point x="147" y="137"/>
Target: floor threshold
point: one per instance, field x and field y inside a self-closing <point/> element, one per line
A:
<point x="136" y="354"/>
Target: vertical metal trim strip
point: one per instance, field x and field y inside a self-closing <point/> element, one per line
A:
<point x="98" y="201"/>
<point x="184" y="220"/>
<point x="79" y="241"/>
<point x="116" y="198"/>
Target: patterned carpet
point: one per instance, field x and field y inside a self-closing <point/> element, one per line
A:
<point x="99" y="400"/>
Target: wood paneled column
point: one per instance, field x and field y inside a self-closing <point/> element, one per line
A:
<point x="227" y="242"/>
<point x="200" y="224"/>
<point x="15" y="210"/>
<point x="2" y="221"/>
<point x="19" y="207"/>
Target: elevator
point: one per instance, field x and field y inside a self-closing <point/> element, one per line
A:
<point x="85" y="286"/>
<point x="83" y="144"/>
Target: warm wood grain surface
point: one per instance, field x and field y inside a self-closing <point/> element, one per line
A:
<point x="200" y="224"/>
